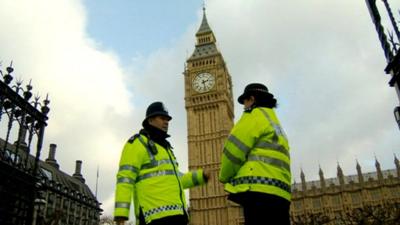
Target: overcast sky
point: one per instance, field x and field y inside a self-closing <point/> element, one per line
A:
<point x="102" y="62"/>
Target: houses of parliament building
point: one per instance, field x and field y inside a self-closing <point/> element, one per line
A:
<point x="333" y="198"/>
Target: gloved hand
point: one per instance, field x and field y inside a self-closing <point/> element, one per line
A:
<point x="206" y="175"/>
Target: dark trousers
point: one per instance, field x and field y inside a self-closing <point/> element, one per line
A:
<point x="171" y="220"/>
<point x="260" y="208"/>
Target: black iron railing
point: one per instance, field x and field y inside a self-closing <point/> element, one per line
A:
<point x="18" y="169"/>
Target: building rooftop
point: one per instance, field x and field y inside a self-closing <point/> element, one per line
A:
<point x="347" y="179"/>
<point x="51" y="174"/>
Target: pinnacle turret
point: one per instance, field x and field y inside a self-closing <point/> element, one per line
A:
<point x="204" y="27"/>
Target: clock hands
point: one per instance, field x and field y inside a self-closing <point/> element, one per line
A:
<point x="203" y="82"/>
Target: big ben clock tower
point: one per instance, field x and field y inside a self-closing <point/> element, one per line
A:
<point x="209" y="106"/>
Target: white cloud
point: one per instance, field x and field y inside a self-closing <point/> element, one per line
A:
<point x="90" y="103"/>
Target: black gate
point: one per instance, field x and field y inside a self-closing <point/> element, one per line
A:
<point x="22" y="123"/>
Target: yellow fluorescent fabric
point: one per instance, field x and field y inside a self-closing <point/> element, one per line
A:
<point x="155" y="186"/>
<point x="256" y="155"/>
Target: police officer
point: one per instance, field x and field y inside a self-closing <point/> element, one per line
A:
<point x="148" y="174"/>
<point x="255" y="164"/>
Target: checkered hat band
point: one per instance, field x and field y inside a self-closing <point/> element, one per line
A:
<point x="258" y="90"/>
<point x="261" y="180"/>
<point x="163" y="209"/>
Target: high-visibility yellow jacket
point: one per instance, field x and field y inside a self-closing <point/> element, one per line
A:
<point x="256" y="155"/>
<point x="150" y="177"/>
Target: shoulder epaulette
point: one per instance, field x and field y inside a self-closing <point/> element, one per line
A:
<point x="132" y="139"/>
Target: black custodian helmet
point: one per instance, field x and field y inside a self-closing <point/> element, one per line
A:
<point x="156" y="109"/>
<point x="255" y="89"/>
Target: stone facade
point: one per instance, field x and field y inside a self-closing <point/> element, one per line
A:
<point x="334" y="197"/>
<point x="209" y="105"/>
<point x="64" y="199"/>
<point x="68" y="199"/>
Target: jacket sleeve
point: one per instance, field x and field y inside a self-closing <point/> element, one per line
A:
<point x="129" y="165"/>
<point x="240" y="141"/>
<point x="192" y="178"/>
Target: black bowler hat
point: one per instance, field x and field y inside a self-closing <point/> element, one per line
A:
<point x="156" y="109"/>
<point x="255" y="89"/>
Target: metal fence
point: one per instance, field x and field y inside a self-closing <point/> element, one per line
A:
<point x="26" y="117"/>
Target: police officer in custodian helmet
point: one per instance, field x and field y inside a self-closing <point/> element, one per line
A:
<point x="148" y="174"/>
<point x="256" y="163"/>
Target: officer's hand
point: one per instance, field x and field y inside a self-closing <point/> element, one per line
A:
<point x="206" y="174"/>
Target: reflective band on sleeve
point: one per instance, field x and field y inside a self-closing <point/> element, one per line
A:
<point x="243" y="147"/>
<point x="231" y="157"/>
<point x="162" y="209"/>
<point x="128" y="167"/>
<point x="125" y="180"/>
<point x="261" y="180"/>
<point x="125" y="205"/>
<point x="272" y="161"/>
<point x="180" y="174"/>
<point x="155" y="174"/>
<point x="272" y="146"/>
<point x="267" y="116"/>
<point x="278" y="129"/>
<point x="158" y="163"/>
<point x="194" y="178"/>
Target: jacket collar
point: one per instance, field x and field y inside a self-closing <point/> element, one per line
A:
<point x="155" y="134"/>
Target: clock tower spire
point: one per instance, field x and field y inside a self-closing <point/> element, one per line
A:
<point x="209" y="108"/>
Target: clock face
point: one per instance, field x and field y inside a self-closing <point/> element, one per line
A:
<point x="203" y="82"/>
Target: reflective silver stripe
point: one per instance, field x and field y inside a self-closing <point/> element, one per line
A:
<point x="243" y="147"/>
<point x="129" y="167"/>
<point x="268" y="160"/>
<point x="261" y="180"/>
<point x="125" y="205"/>
<point x="278" y="129"/>
<point x="125" y="180"/>
<point x="180" y="174"/>
<point x="231" y="157"/>
<point x="162" y="209"/>
<point x="155" y="174"/>
<point x="146" y="146"/>
<point x="158" y="163"/>
<point x="272" y="146"/>
<point x="267" y="116"/>
<point x="194" y="178"/>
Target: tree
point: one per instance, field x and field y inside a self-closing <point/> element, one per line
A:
<point x="382" y="214"/>
<point x="106" y="220"/>
<point x="109" y="220"/>
<point x="310" y="219"/>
